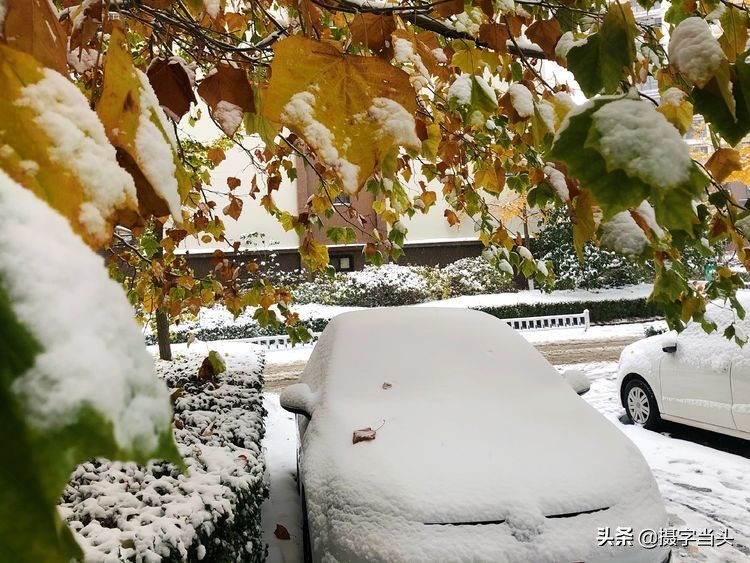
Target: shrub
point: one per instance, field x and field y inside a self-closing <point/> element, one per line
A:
<point x="389" y="285"/>
<point x="600" y="268"/>
<point x="599" y="311"/>
<point x="123" y="511"/>
<point x="476" y="276"/>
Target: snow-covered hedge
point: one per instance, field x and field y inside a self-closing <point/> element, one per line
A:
<point x="599" y="311"/>
<point x="393" y="285"/>
<point x="475" y="276"/>
<point x="211" y="512"/>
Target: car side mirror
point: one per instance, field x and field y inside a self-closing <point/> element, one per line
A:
<point x="670" y="348"/>
<point x="298" y="399"/>
<point x="578" y="380"/>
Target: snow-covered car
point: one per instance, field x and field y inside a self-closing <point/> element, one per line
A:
<point x="443" y="435"/>
<point x="692" y="378"/>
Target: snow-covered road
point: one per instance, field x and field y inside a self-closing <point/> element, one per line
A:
<point x="703" y="477"/>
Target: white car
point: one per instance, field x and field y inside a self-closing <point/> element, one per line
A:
<point x="692" y="377"/>
<point x="442" y="435"/>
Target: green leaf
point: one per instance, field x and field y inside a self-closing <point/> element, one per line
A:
<point x="711" y="102"/>
<point x="37" y="464"/>
<point x="480" y="99"/>
<point x="217" y="362"/>
<point x="599" y="64"/>
<point x="577" y="146"/>
<point x="583" y="62"/>
<point x="679" y="11"/>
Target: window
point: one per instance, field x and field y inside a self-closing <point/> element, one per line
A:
<point x="342" y="199"/>
<point x="344" y="264"/>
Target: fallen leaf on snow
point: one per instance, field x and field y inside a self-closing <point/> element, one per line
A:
<point x="281" y="532"/>
<point x="387" y="385"/>
<point x="363" y="435"/>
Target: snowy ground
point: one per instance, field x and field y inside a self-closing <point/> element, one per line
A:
<point x="702" y="476"/>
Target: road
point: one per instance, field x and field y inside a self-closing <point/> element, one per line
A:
<point x="278" y="376"/>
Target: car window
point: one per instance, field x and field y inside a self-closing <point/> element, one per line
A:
<point x="713" y="351"/>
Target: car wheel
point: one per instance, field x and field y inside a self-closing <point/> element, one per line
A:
<point x="640" y="404"/>
<point x="306" y="545"/>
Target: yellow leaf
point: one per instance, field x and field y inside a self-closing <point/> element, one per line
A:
<point x="314" y="254"/>
<point x="53" y="144"/>
<point x="681" y="116"/>
<point x="138" y="128"/>
<point x="351" y="110"/>
<point x="722" y="163"/>
<point x="584" y="225"/>
<point x="491" y="179"/>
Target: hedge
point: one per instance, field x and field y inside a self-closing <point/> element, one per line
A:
<point x="211" y="512"/>
<point x="599" y="311"/>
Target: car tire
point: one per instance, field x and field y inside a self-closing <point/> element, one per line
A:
<point x="306" y="544"/>
<point x="640" y="404"/>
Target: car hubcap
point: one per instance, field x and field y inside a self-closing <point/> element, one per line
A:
<point x="638" y="405"/>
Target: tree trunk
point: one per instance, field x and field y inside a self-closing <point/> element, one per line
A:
<point x="162" y="318"/>
<point x="162" y="335"/>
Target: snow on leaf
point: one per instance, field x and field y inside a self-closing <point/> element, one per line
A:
<point x="326" y="97"/>
<point x="623" y="235"/>
<point x="229" y="95"/>
<point x="606" y="145"/>
<point x="520" y="97"/>
<point x="31" y="26"/>
<point x="139" y="129"/>
<point x="363" y="435"/>
<point x="472" y="90"/>
<point x="53" y="144"/>
<point x="695" y="51"/>
<point x="70" y="391"/>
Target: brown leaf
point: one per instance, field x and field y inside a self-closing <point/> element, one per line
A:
<point x="173" y="86"/>
<point x="32" y="26"/>
<point x="387" y="385"/>
<point x="372" y="31"/>
<point x="281" y="532"/>
<point x="451" y="217"/>
<point x="363" y="435"/>
<point x="228" y="94"/>
<point x="495" y="35"/>
<point x="190" y="339"/>
<point x="486" y="6"/>
<point x="546" y="34"/>
<point x="234" y="209"/>
<point x="723" y="162"/>
<point x="233" y="183"/>
<point x="449" y="8"/>
<point x="86" y="26"/>
<point x="216" y="155"/>
<point x="206" y="371"/>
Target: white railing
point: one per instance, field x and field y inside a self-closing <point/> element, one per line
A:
<point x="576" y="320"/>
<point x="282" y="342"/>
<point x="548" y="322"/>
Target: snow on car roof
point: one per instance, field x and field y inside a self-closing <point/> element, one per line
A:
<point x="473" y="424"/>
